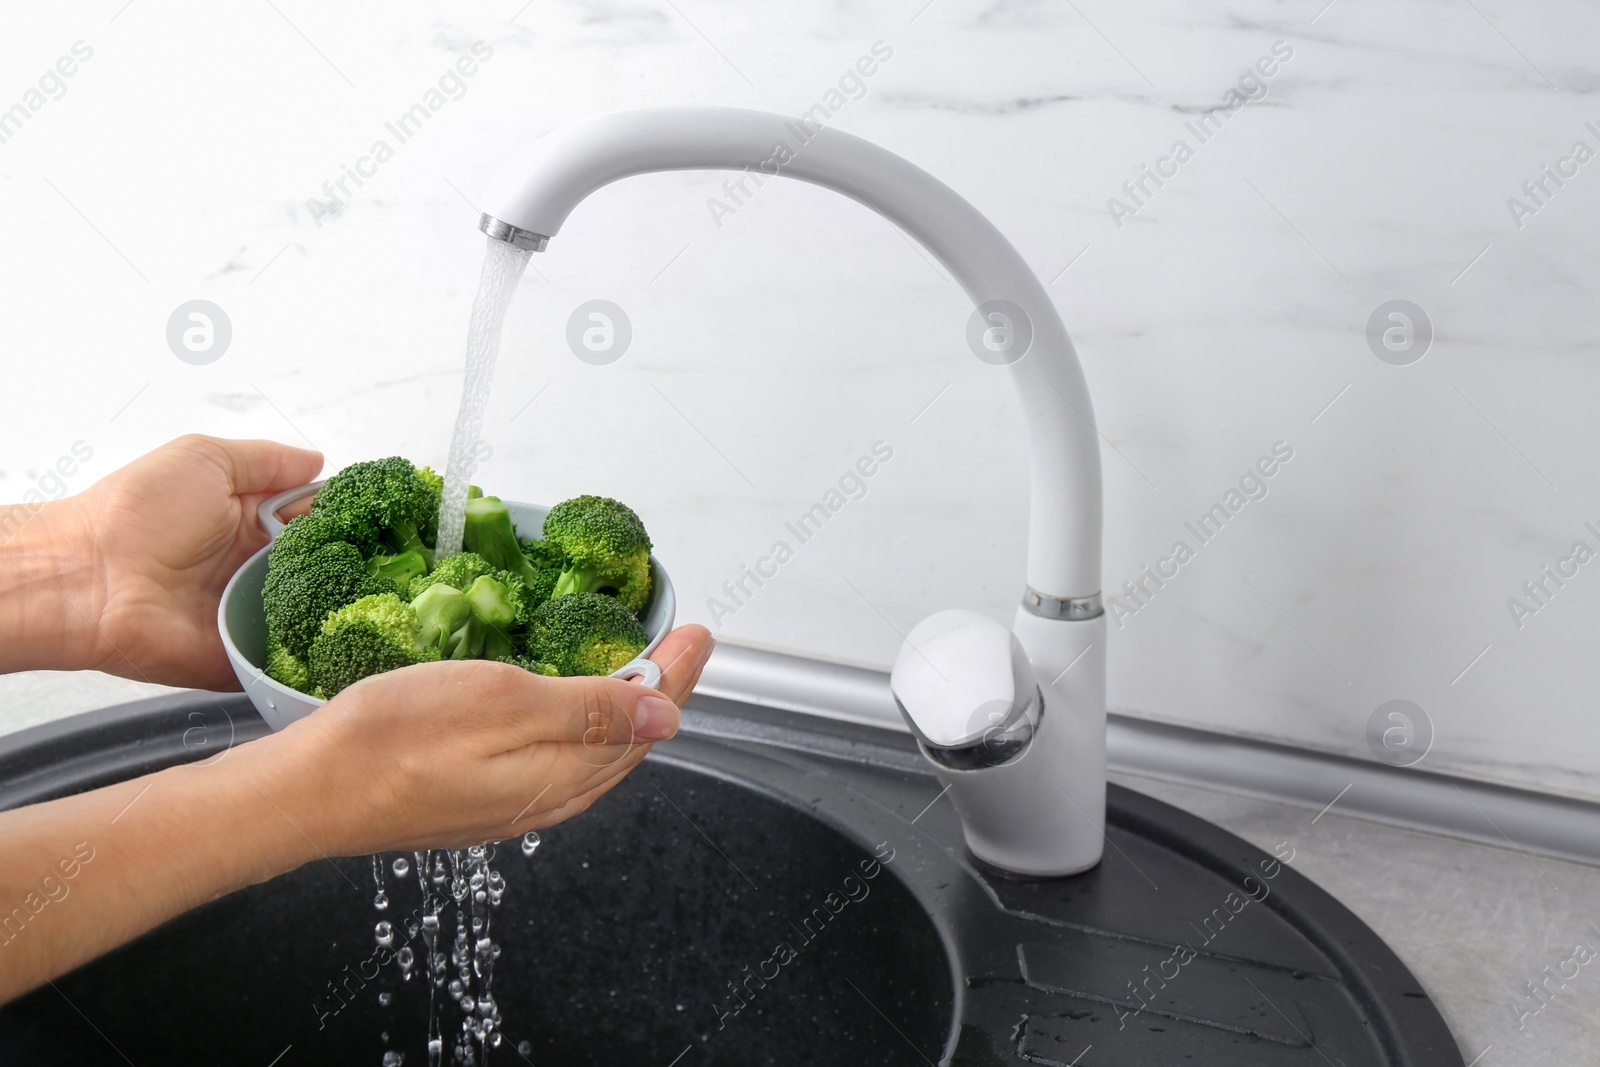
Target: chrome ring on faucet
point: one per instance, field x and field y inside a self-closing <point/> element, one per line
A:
<point x="1071" y="609"/>
<point x="512" y="235"/>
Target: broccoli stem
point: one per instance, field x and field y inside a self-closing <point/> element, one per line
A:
<point x="403" y="537"/>
<point x="399" y="568"/>
<point x="490" y="534"/>
<point x="578" y="580"/>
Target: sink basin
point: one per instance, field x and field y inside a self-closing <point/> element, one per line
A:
<point x="625" y="936"/>
<point x="620" y="937"/>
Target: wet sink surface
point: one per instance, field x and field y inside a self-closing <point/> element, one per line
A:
<point x="764" y="890"/>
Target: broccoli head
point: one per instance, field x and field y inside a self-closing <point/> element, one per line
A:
<point x="285" y="667"/>
<point x="459" y="571"/>
<point x="606" y="546"/>
<point x="375" y="634"/>
<point x="401" y="569"/>
<point x="583" y="633"/>
<point x="301" y="590"/>
<point x="385" y="500"/>
<point x="527" y="663"/>
<point x="309" y="532"/>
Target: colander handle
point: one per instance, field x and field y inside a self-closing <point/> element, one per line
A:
<point x="269" y="508"/>
<point x="640" y="670"/>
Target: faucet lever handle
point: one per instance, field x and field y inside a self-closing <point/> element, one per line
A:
<point x="963" y="682"/>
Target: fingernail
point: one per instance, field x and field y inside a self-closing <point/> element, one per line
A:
<point x="654" y="719"/>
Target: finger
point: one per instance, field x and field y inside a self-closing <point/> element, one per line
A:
<point x="521" y="708"/>
<point x="681" y="656"/>
<point x="295" y="508"/>
<point x="582" y="802"/>
<point x="260" y="467"/>
<point x="545" y="782"/>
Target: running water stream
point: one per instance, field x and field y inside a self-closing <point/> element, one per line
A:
<point x="460" y="889"/>
<point x="502" y="269"/>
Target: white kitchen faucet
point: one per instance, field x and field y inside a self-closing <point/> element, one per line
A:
<point x="1015" y="727"/>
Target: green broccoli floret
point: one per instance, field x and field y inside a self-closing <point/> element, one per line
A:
<point x="583" y="633"/>
<point x="435" y="484"/>
<point x="385" y="500"/>
<point x="309" y="532"/>
<point x="458" y="570"/>
<point x="548" y="561"/>
<point x="498" y="606"/>
<point x="490" y="534"/>
<point x="544" y="555"/>
<point x="445" y="620"/>
<point x="542" y="588"/>
<point x="606" y="546"/>
<point x="527" y="663"/>
<point x="375" y="634"/>
<point x="477" y="623"/>
<point x="285" y="667"/>
<point x="301" y="590"/>
<point x="401" y="569"/>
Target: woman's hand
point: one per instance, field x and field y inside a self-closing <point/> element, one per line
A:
<point x="437" y="755"/>
<point x="452" y="754"/>
<point x="163" y="536"/>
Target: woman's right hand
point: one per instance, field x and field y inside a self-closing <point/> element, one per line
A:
<point x="445" y="755"/>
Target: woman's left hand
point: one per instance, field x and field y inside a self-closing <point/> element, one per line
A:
<point x="164" y="534"/>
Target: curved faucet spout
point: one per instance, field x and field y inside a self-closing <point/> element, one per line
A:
<point x="528" y="201"/>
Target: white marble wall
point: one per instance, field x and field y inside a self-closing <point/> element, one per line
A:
<point x="1225" y="314"/>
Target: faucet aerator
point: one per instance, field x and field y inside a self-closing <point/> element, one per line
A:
<point x="513" y="235"/>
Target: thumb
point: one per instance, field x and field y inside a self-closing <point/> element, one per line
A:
<point x="263" y="467"/>
<point x="597" y="713"/>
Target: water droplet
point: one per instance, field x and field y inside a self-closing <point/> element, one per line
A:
<point x="405" y="959"/>
<point x="385" y="999"/>
<point x="385" y="934"/>
<point x="467" y="1003"/>
<point x="530" y="842"/>
<point x="381" y="901"/>
<point x="402" y="867"/>
<point x="393" y="1058"/>
<point x="525" y="1047"/>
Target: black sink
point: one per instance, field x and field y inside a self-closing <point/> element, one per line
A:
<point x="765" y="889"/>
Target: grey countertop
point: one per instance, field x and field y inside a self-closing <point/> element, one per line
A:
<point x="1475" y="923"/>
